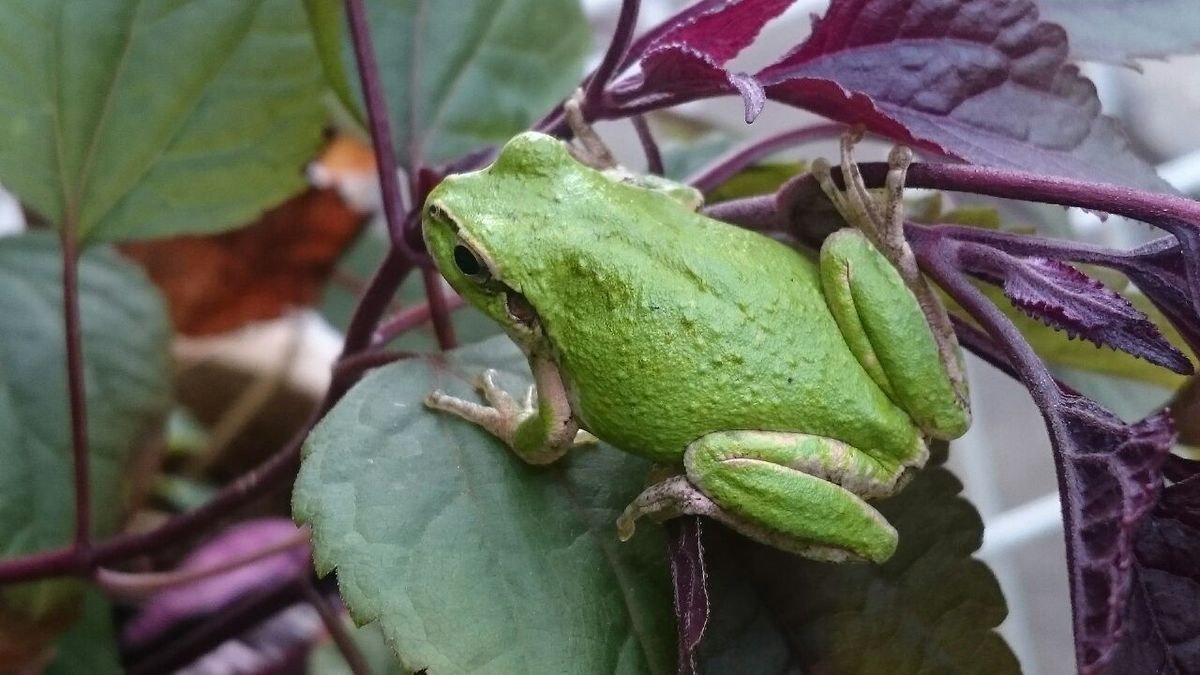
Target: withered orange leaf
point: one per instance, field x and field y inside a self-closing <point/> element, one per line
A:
<point x="217" y="283"/>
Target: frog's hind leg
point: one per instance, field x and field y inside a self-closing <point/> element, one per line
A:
<point x="881" y="222"/>
<point x="796" y="492"/>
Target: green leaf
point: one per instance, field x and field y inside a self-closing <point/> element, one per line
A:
<point x="125" y="345"/>
<point x="90" y="646"/>
<point x="145" y="118"/>
<point x="470" y="560"/>
<point x="930" y="609"/>
<point x="464" y="75"/>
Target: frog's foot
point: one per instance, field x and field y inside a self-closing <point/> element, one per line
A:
<point x="500" y="418"/>
<point x="588" y="148"/>
<point x="503" y="416"/>
<point x="778" y="489"/>
<point x="881" y="220"/>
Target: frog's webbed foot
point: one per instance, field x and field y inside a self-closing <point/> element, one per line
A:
<point x="881" y="220"/>
<point x="588" y="147"/>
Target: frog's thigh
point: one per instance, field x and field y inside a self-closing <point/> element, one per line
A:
<point x="778" y="488"/>
<point x="886" y="330"/>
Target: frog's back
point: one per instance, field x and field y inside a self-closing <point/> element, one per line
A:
<point x="670" y="325"/>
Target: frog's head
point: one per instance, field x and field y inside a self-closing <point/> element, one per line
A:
<point x="477" y="228"/>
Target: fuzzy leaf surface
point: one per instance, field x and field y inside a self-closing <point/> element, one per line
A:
<point x="142" y="118"/>
<point x="980" y="80"/>
<point x="127" y="366"/>
<point x="1164" y="628"/>
<point x="429" y="520"/>
<point x="1066" y="299"/>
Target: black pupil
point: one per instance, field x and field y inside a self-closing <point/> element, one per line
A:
<point x="467" y="263"/>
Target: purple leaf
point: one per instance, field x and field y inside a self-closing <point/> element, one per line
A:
<point x="1160" y="270"/>
<point x="980" y="80"/>
<point x="1112" y="474"/>
<point x="722" y="30"/>
<point x="1109" y="472"/>
<point x="1119" y="31"/>
<point x="211" y="593"/>
<point x="1066" y="299"/>
<point x="1164" y="627"/>
<point x="684" y="58"/>
<point x="685" y="551"/>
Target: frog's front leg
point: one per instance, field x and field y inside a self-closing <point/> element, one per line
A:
<point x="797" y="492"/>
<point x="892" y="320"/>
<point x="540" y="430"/>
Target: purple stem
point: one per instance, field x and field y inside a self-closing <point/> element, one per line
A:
<point x="76" y="388"/>
<point x="729" y="165"/>
<point x="617" y="48"/>
<point x="408" y="317"/>
<point x="654" y="160"/>
<point x="336" y="627"/>
<point x="439" y="310"/>
<point x="380" y="126"/>
<point x="243" y="615"/>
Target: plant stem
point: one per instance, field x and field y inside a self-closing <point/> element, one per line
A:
<point x="408" y="317"/>
<point x="76" y="387"/>
<point x="654" y="160"/>
<point x="142" y="585"/>
<point x="730" y="164"/>
<point x="337" y="629"/>
<point x="380" y="125"/>
<point x="617" y="48"/>
<point x="237" y="618"/>
<point x="439" y="310"/>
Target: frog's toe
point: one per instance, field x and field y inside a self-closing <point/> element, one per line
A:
<point x="500" y="399"/>
<point x="664" y="500"/>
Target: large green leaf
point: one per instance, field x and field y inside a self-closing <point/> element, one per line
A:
<point x="470" y="560"/>
<point x="127" y="368"/>
<point x="143" y="118"/>
<point x="930" y="609"/>
<point x="461" y="75"/>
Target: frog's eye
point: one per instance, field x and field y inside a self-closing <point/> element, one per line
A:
<point x="470" y="265"/>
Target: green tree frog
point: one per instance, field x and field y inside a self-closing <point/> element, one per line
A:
<point x="778" y="393"/>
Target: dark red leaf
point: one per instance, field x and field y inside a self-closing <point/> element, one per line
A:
<point x="720" y="30"/>
<point x="686" y="554"/>
<point x="1163" y="633"/>
<point x="684" y="58"/>
<point x="979" y="80"/>
<point x="687" y="72"/>
<point x="1066" y="299"/>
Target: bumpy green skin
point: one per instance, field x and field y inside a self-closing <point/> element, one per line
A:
<point x="671" y="329"/>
